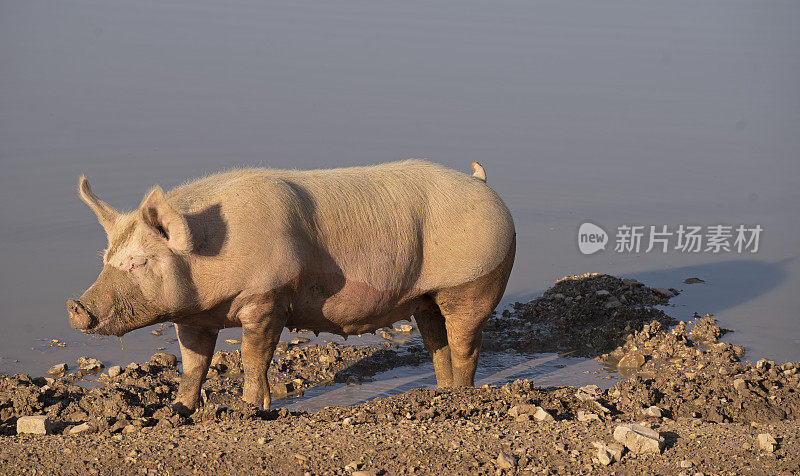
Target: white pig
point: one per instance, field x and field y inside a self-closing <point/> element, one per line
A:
<point x="345" y="251"/>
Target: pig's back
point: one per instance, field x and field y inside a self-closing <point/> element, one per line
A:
<point x="396" y="226"/>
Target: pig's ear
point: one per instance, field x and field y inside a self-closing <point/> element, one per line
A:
<point x="106" y="214"/>
<point x="165" y="222"/>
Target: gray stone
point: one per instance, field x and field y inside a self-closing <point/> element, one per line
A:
<point x="521" y="410"/>
<point x="664" y="292"/>
<point x="587" y="417"/>
<point x="89" y="364"/>
<point x="165" y="360"/>
<point x="631" y="360"/>
<point x="652" y="411"/>
<point x="638" y="438"/>
<point x="83" y="429"/>
<point x="58" y="370"/>
<point x="767" y="442"/>
<point x="608" y="453"/>
<point x="34" y="424"/>
<point x="543" y="415"/>
<point x="506" y="461"/>
<point x="114" y="371"/>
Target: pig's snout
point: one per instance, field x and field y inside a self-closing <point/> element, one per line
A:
<point x="79" y="317"/>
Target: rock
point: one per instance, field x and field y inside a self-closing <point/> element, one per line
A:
<point x="164" y="359"/>
<point x="631" y="360"/>
<point x="518" y="411"/>
<point x="693" y="281"/>
<point x="89" y="364"/>
<point x="34" y="425"/>
<point x="767" y="442"/>
<point x="612" y="304"/>
<point x="587" y="417"/>
<point x="118" y="426"/>
<point x="353" y="466"/>
<point x="638" y="438"/>
<point x="348" y="421"/>
<point x="506" y="461"/>
<point x="130" y="429"/>
<point x="58" y="370"/>
<point x="83" y="429"/>
<point x="602" y="293"/>
<point x="299" y="341"/>
<point x="652" y="411"/>
<point x="608" y="453"/>
<point x="543" y="415"/>
<point x="664" y="292"/>
<point x="233" y="341"/>
<point x="604" y="457"/>
<point x="365" y="473"/>
<point x="740" y="384"/>
<point x="685" y="464"/>
<point x="404" y="328"/>
<point x="114" y="371"/>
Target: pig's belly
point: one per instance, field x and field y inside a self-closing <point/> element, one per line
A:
<point x="348" y="307"/>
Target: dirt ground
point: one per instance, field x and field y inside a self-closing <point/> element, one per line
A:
<point x="699" y="408"/>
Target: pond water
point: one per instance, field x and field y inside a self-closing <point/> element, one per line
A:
<point x="617" y="112"/>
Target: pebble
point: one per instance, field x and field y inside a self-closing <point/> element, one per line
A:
<point x="543" y="415"/>
<point x="664" y="292"/>
<point x="506" y="461"/>
<point x="164" y="359"/>
<point x="685" y="464"/>
<point x="233" y="341"/>
<point x="353" y="466"/>
<point x="58" y="370"/>
<point x="631" y="360"/>
<point x="767" y="442"/>
<point x="587" y="417"/>
<point x="299" y="341"/>
<point x="114" y="371"/>
<point x="35" y="425"/>
<point x="89" y="363"/>
<point x="652" y="411"/>
<point x="638" y="438"/>
<point x="83" y="428"/>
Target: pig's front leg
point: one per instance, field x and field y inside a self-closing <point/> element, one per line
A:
<point x="197" y="347"/>
<point x="260" y="335"/>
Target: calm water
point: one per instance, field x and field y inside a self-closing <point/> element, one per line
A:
<point x="615" y="112"/>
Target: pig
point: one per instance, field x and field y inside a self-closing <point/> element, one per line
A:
<point x="345" y="251"/>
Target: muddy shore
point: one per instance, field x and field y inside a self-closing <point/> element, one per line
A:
<point x="694" y="404"/>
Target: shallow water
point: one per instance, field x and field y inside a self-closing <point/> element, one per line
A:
<point x="617" y="112"/>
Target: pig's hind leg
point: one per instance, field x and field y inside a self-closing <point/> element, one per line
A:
<point x="197" y="347"/>
<point x="434" y="334"/>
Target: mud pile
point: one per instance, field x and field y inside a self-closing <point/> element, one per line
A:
<point x="141" y="394"/>
<point x="585" y="315"/>
<point x="687" y="372"/>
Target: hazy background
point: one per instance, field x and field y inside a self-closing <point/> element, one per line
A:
<point x="637" y="112"/>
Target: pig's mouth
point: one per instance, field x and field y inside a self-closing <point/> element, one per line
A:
<point x="85" y="321"/>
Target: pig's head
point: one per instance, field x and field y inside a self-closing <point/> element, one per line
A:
<point x="145" y="278"/>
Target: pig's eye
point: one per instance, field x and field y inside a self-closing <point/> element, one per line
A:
<point x="137" y="265"/>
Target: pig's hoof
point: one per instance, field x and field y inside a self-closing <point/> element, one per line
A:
<point x="181" y="409"/>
